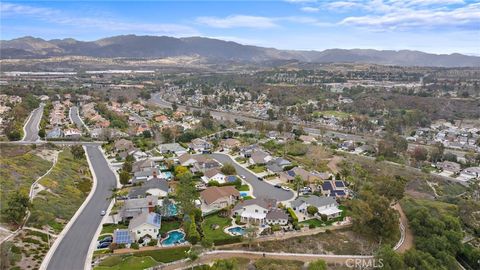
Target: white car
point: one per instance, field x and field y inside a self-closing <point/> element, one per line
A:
<point x="103" y="213"/>
<point x="286" y="188"/>
<point x="243" y="176"/>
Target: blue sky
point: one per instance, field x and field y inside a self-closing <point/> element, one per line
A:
<point x="438" y="26"/>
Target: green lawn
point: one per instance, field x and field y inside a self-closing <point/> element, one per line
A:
<point x="68" y="185"/>
<point x="244" y="188"/>
<point x="165" y="255"/>
<point x="217" y="234"/>
<point x="169" y="225"/>
<point x="128" y="263"/>
<point x="109" y="228"/>
<point x="143" y="259"/>
<point x="257" y="168"/>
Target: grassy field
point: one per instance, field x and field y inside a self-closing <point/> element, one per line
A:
<point x="341" y="242"/>
<point x="215" y="234"/>
<point x="20" y="167"/>
<point x="126" y="263"/>
<point x="435" y="207"/>
<point x="269" y="264"/>
<point x="143" y="259"/>
<point x="67" y="185"/>
<point x="24" y="251"/>
<point x="257" y="168"/>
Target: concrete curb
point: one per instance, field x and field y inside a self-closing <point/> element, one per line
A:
<point x="91" y="249"/>
<point x="52" y="250"/>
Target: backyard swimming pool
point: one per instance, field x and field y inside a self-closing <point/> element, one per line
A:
<point x="236" y="230"/>
<point x="171" y="210"/>
<point x="173" y="238"/>
<point x="168" y="175"/>
<point x="243" y="193"/>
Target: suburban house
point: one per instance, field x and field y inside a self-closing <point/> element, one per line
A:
<point x="186" y="159"/>
<point x="247" y="151"/>
<point x="307" y="139"/>
<point x="214" y="198"/>
<point x="254" y="211"/>
<point x="277" y="165"/>
<point x="327" y="206"/>
<point x="200" y="145"/>
<point x="276" y="216"/>
<point x="123" y="145"/>
<point x="449" y="167"/>
<point x="470" y="173"/>
<point x="172" y="148"/>
<point x="143" y="164"/>
<point x="290" y="175"/>
<point x="145" y="224"/>
<point x="213" y="174"/>
<point x="157" y="187"/>
<point x="260" y="157"/>
<point x="145" y="174"/>
<point x="204" y="164"/>
<point x="134" y="207"/>
<point x="335" y="189"/>
<point x="229" y="143"/>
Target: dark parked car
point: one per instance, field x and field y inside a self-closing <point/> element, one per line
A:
<point x="260" y="178"/>
<point x="104" y="245"/>
<point x="278" y="186"/>
<point x="106" y="239"/>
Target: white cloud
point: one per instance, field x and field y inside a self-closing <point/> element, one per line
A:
<point x="466" y="16"/>
<point x="310" y="9"/>
<point x="234" y="21"/>
<point x="111" y="24"/>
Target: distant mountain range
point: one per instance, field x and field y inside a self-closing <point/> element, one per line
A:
<point x="214" y="50"/>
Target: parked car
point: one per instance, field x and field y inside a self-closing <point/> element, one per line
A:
<point x="277" y="186"/>
<point x="104" y="245"/>
<point x="106" y="239"/>
<point x="103" y="213"/>
<point x="260" y="178"/>
<point x="242" y="176"/>
<point x="286" y="188"/>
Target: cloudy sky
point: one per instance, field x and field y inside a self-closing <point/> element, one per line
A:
<point x="438" y="26"/>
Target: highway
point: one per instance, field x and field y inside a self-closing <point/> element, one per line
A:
<point x="32" y="125"/>
<point x="260" y="188"/>
<point x="72" y="252"/>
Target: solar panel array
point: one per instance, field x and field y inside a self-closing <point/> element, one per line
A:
<point x="122" y="237"/>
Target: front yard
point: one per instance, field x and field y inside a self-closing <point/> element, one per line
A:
<point x="257" y="168"/>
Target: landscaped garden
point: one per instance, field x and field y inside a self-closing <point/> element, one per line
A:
<point x="213" y="229"/>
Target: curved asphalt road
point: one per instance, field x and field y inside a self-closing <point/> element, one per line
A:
<point x="75" y="117"/>
<point x="32" y="125"/>
<point x="260" y="188"/>
<point x="72" y="251"/>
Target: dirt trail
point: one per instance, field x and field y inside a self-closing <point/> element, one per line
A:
<point x="408" y="241"/>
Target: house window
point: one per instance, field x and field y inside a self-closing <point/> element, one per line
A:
<point x="256" y="210"/>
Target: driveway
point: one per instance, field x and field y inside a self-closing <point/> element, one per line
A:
<point x="32" y="125"/>
<point x="260" y="188"/>
<point x="73" y="249"/>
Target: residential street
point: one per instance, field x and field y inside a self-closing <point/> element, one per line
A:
<point x="76" y="118"/>
<point x="73" y="249"/>
<point x="31" y="127"/>
<point x="260" y="188"/>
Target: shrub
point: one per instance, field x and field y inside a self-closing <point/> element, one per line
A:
<point x="226" y="241"/>
<point x="292" y="214"/>
<point x="134" y="246"/>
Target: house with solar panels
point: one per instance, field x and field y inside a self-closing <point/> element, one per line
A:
<point x="145" y="224"/>
<point x="336" y="189"/>
<point x="122" y="236"/>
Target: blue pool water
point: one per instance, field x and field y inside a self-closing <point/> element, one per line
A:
<point x="162" y="167"/>
<point x="171" y="210"/>
<point x="174" y="237"/>
<point x="243" y="193"/>
<point x="168" y="175"/>
<point x="237" y="230"/>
